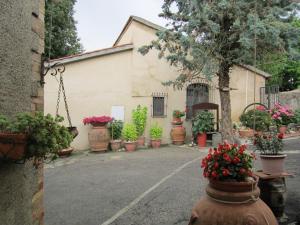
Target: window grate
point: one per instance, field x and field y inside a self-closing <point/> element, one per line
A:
<point x="159" y="106"/>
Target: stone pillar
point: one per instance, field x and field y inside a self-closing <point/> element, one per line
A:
<point x="21" y="46"/>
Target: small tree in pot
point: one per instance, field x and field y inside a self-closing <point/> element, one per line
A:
<point x="115" y="129"/>
<point x="130" y="136"/>
<point x="139" y="118"/>
<point x="156" y="134"/>
<point x="201" y="124"/>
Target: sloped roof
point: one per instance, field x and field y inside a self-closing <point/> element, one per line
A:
<point x="92" y="54"/>
<point x="139" y="20"/>
<point x="255" y="70"/>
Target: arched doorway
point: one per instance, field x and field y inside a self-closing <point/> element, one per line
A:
<point x="195" y="94"/>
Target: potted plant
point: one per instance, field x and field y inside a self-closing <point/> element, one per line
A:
<point x="32" y="135"/>
<point x="232" y="192"/>
<point x="177" y="114"/>
<point x="99" y="135"/>
<point x="256" y="119"/>
<point x="270" y="147"/>
<point x="130" y="136"/>
<point x="155" y="135"/>
<point x="139" y="118"/>
<point x="115" y="129"/>
<point x="282" y="115"/>
<point x="201" y="124"/>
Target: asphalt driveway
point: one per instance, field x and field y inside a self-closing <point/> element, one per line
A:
<point x="149" y="187"/>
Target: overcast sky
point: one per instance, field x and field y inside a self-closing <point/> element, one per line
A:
<point x="99" y="22"/>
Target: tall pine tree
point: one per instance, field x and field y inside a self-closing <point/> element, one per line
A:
<point x="61" y="34"/>
<point x="209" y="37"/>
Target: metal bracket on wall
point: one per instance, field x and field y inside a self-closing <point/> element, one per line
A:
<point x="54" y="69"/>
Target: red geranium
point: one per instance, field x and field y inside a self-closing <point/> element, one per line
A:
<point x="97" y="120"/>
<point x="228" y="162"/>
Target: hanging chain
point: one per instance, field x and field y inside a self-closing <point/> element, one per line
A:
<point x="58" y="98"/>
<point x="65" y="100"/>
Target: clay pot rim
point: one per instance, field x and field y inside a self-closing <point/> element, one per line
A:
<point x="115" y="141"/>
<point x="155" y="139"/>
<point x="278" y="156"/>
<point x="130" y="142"/>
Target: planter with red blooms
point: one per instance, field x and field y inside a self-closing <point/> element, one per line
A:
<point x="232" y="195"/>
<point x="99" y="135"/>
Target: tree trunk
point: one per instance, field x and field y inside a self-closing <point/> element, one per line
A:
<point x="224" y="89"/>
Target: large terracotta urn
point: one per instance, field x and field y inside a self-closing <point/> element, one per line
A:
<point x="232" y="203"/>
<point x="99" y="137"/>
<point x="178" y="133"/>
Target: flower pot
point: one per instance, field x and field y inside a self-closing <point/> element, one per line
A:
<point x="141" y="141"/>
<point x="155" y="143"/>
<point x="178" y="134"/>
<point x="130" y="146"/>
<point x="12" y="146"/>
<point x="65" y="152"/>
<point x="246" y="133"/>
<point x="232" y="203"/>
<point x="201" y="139"/>
<point x="272" y="164"/>
<point x="74" y="131"/>
<point x="282" y="129"/>
<point x="176" y="121"/>
<point x="115" y="145"/>
<point x="99" y="138"/>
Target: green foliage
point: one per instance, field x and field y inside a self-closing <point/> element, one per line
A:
<point x="63" y="34"/>
<point x="115" y="128"/>
<point x="297" y="116"/>
<point x="156" y="132"/>
<point x="129" y="132"/>
<point x="45" y="133"/>
<point x="203" y="122"/>
<point x="260" y="119"/>
<point x="178" y="114"/>
<point x="139" y="118"/>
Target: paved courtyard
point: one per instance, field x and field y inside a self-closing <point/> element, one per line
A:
<point x="151" y="187"/>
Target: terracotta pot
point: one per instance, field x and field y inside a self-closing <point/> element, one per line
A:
<point x="176" y="121"/>
<point x="282" y="129"/>
<point x="74" y="131"/>
<point x="65" y="152"/>
<point x="246" y="133"/>
<point x="178" y="135"/>
<point x="272" y="164"/>
<point x="155" y="143"/>
<point x="232" y="203"/>
<point x="201" y="139"/>
<point x="141" y="141"/>
<point x="12" y="146"/>
<point x="115" y="145"/>
<point x="99" y="138"/>
<point x="130" y="146"/>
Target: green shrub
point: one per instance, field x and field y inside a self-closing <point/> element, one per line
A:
<point x="262" y="120"/>
<point x="203" y="122"/>
<point x="139" y="118"/>
<point x="297" y="116"/>
<point x="156" y="132"/>
<point x="129" y="132"/>
<point x="115" y="128"/>
<point x="45" y="133"/>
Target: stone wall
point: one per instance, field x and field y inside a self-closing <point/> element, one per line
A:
<point x="21" y="46"/>
<point x="291" y="98"/>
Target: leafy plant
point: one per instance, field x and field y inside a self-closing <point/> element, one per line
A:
<point x="178" y="114"/>
<point x="156" y="132"/>
<point x="258" y="119"/>
<point x="297" y="116"/>
<point x="228" y="162"/>
<point x="203" y="122"/>
<point x="46" y="135"/>
<point x="268" y="144"/>
<point x="115" y="128"/>
<point x="129" y="132"/>
<point x="139" y="118"/>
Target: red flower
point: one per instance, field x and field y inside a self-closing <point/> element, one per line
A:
<point x="242" y="171"/>
<point x="204" y="163"/>
<point x="236" y="160"/>
<point x="214" y="174"/>
<point x="225" y="172"/>
<point x="226" y="157"/>
<point x="280" y="136"/>
<point x="216" y="165"/>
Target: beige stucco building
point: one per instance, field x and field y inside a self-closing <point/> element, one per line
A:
<point x="117" y="79"/>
